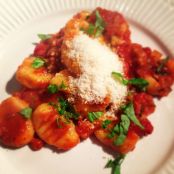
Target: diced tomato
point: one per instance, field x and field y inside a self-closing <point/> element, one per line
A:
<point x="85" y="128"/>
<point x="143" y="104"/>
<point x="41" y="49"/>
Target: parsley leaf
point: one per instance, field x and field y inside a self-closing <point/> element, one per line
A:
<point x="96" y="29"/>
<point x="26" y="112"/>
<point x="66" y="109"/>
<point x="129" y="111"/>
<point x="91" y="29"/>
<point x="105" y="123"/>
<point x="99" y="24"/>
<point x="44" y="36"/>
<point x="38" y="62"/>
<point x="53" y="88"/>
<point x="121" y="130"/>
<point x="92" y="116"/>
<point x="138" y="82"/>
<point x="115" y="164"/>
<point x="125" y="123"/>
<point x="161" y="66"/>
<point x="120" y="139"/>
<point x="120" y="78"/>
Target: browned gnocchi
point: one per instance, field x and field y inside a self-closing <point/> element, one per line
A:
<point x="32" y="76"/>
<point x="54" y="129"/>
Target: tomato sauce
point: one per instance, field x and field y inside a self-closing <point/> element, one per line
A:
<point x="11" y="129"/>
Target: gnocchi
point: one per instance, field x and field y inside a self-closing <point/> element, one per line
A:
<point x="54" y="129"/>
<point x="15" y="130"/>
<point x="30" y="77"/>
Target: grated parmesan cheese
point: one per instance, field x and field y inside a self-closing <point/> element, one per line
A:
<point x="96" y="62"/>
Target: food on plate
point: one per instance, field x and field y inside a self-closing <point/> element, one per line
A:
<point x="16" y="128"/>
<point x="88" y="79"/>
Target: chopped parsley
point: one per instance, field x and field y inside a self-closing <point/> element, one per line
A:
<point x="92" y="116"/>
<point x="44" y="36"/>
<point x="26" y="112"/>
<point x="119" y="77"/>
<point x="96" y="29"/>
<point x="53" y="88"/>
<point x="91" y="29"/>
<point x="65" y="109"/>
<point x="121" y="130"/>
<point x="115" y="164"/>
<point x="105" y="123"/>
<point x="129" y="111"/>
<point x="38" y="62"/>
<point x="138" y="82"/>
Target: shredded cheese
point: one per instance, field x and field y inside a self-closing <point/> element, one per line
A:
<point x="97" y="62"/>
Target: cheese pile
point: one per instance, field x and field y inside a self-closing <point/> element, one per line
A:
<point x="97" y="62"/>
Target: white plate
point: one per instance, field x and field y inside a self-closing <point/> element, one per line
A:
<point x="152" y="24"/>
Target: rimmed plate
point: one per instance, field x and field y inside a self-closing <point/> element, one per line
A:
<point x="151" y="24"/>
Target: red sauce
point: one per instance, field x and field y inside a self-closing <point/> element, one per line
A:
<point x="148" y="128"/>
<point x="11" y="129"/>
<point x="36" y="144"/>
<point x="85" y="128"/>
<point x="115" y="25"/>
<point x="143" y="104"/>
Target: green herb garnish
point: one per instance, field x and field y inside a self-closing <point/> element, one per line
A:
<point x="52" y="88"/>
<point x="121" y="130"/>
<point x="120" y="139"/>
<point x="66" y="109"/>
<point x="129" y="111"/>
<point x="138" y="82"/>
<point x="92" y="116"/>
<point x="119" y="77"/>
<point x="161" y="66"/>
<point x="115" y="164"/>
<point x="44" y="36"/>
<point x="105" y="123"/>
<point x="91" y="29"/>
<point x="96" y="29"/>
<point x="26" y="112"/>
<point x="38" y="62"/>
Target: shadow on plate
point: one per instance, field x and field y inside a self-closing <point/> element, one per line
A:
<point x="12" y="85"/>
<point x="105" y="148"/>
